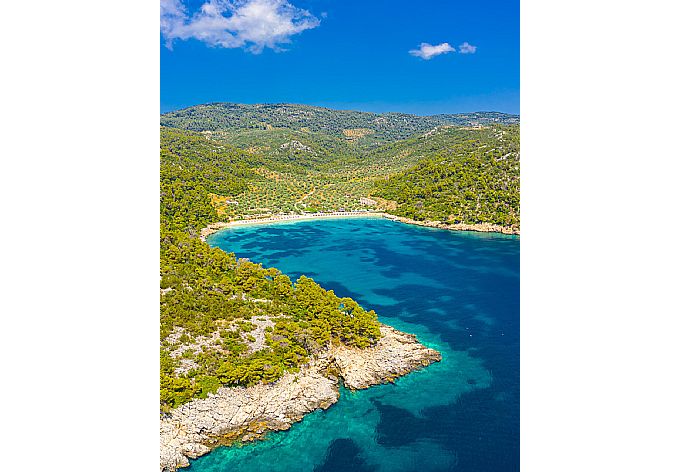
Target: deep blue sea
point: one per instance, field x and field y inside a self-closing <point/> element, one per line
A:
<point x="458" y="292"/>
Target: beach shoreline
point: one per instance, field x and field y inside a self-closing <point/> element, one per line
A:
<point x="481" y="227"/>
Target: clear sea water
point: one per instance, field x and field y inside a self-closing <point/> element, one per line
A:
<point x="458" y="292"/>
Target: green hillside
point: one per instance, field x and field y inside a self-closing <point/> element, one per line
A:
<point x="226" y="321"/>
<point x="450" y="173"/>
<point x="356" y="129"/>
<point x="233" y="116"/>
<point x="460" y="176"/>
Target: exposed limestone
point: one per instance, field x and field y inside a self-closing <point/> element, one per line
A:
<point x="255" y="340"/>
<point x="258" y="333"/>
<point x="395" y="354"/>
<point x="297" y="146"/>
<point x="480" y="227"/>
<point x="245" y="414"/>
<point x="196" y="345"/>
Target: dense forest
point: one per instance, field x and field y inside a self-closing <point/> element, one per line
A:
<point x="226" y="321"/>
<point x="461" y="176"/>
<point x="361" y="128"/>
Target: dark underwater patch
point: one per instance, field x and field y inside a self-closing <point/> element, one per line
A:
<point x="344" y="455"/>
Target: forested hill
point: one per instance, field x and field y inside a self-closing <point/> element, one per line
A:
<point x="458" y="176"/>
<point x="225" y="321"/>
<point x="268" y="159"/>
<point x="364" y="127"/>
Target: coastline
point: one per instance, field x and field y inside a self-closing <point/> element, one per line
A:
<point x="215" y="227"/>
<point x="248" y="413"/>
<point x="480" y="227"/>
<point x="243" y="414"/>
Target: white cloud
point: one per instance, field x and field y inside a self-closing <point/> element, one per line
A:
<point x="467" y="48"/>
<point x="254" y="24"/>
<point x="426" y="51"/>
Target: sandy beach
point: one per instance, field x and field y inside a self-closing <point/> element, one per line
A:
<point x="215" y="227"/>
<point x="481" y="227"/>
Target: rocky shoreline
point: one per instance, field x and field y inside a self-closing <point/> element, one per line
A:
<point x="479" y="227"/>
<point x="214" y="228"/>
<point x="246" y="414"/>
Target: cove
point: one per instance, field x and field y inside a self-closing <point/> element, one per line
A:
<point x="458" y="292"/>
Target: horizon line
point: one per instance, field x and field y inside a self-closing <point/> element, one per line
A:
<point x="333" y="109"/>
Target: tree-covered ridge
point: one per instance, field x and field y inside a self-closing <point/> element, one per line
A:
<point x="300" y="148"/>
<point x="420" y="173"/>
<point x="462" y="176"/>
<point x="224" y="321"/>
<point x="346" y="125"/>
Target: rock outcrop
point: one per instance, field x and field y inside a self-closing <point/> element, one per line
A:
<point x="395" y="354"/>
<point x="480" y="227"/>
<point x="245" y="414"/>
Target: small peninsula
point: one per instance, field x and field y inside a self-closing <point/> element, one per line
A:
<point x="247" y="413"/>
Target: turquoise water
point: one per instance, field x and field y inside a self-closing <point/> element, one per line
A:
<point x="458" y="292"/>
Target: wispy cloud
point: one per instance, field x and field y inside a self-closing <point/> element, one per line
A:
<point x="426" y="51"/>
<point x="251" y="24"/>
<point x="467" y="48"/>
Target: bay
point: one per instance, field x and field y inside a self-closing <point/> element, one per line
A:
<point x="458" y="292"/>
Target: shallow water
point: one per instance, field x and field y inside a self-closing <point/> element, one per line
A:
<point x="458" y="292"/>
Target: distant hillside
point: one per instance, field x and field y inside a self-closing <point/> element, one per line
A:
<point x="363" y="128"/>
<point x="267" y="159"/>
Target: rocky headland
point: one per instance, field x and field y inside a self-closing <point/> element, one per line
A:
<point x="480" y="227"/>
<point x="246" y="414"/>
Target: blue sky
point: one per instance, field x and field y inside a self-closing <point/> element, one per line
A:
<point x="347" y="54"/>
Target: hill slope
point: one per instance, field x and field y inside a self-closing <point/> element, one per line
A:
<point x="461" y="168"/>
<point x="459" y="176"/>
<point x="226" y="321"/>
<point x="361" y="128"/>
